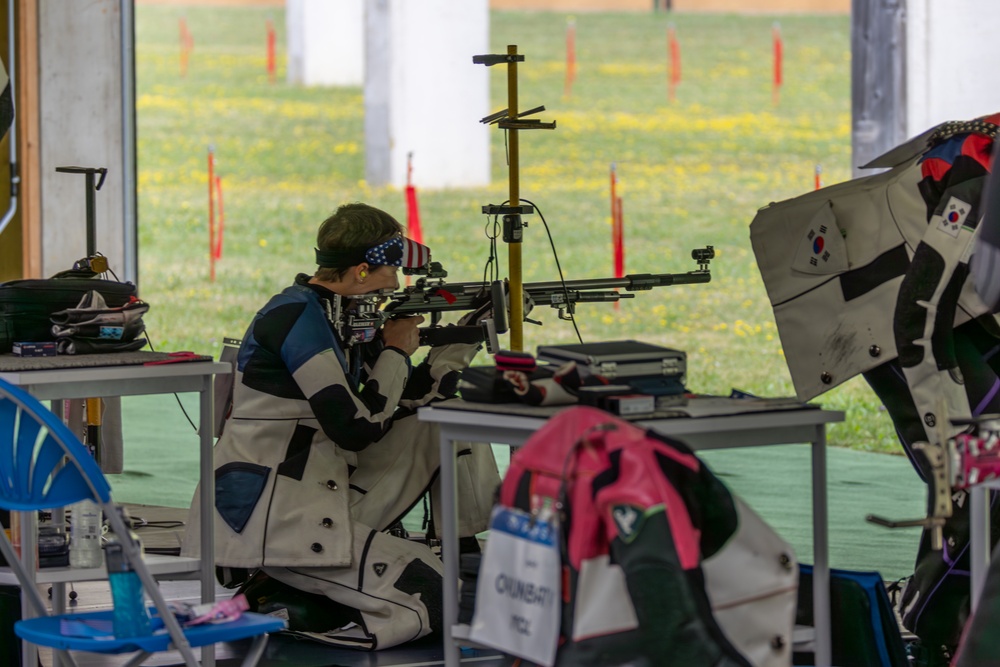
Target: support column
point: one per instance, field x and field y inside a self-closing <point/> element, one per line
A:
<point x="325" y="42"/>
<point x="85" y="110"/>
<point x="952" y="50"/>
<point x="423" y="95"/>
<point x="878" y="92"/>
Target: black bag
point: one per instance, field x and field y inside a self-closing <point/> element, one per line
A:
<point x="27" y="305"/>
<point x="10" y="613"/>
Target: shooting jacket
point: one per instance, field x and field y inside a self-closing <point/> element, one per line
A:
<point x="303" y="405"/>
<point x="876" y="268"/>
<point x="659" y="558"/>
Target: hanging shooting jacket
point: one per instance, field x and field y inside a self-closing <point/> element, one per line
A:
<point x="876" y="268"/>
<point x="303" y="404"/>
<point x="662" y="565"/>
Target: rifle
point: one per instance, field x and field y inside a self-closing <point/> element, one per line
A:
<point x="431" y="295"/>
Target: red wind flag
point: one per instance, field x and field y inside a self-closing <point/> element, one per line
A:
<point x="779" y="49"/>
<point x="819" y="180"/>
<point x="413" y="230"/>
<point x="211" y="212"/>
<point x="570" y="57"/>
<point x="619" y="241"/>
<point x="187" y="45"/>
<point x="617" y="231"/>
<point x="675" y="60"/>
<point x="270" y="50"/>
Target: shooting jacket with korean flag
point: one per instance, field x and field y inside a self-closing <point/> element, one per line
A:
<point x="303" y="407"/>
<point x="876" y="268"/>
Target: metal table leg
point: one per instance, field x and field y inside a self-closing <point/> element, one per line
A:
<point x="821" y="565"/>
<point x="449" y="546"/>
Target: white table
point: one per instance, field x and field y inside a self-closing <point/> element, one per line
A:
<point x="103" y="381"/>
<point x="460" y="423"/>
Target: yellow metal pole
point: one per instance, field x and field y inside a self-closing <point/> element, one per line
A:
<point x="514" y="247"/>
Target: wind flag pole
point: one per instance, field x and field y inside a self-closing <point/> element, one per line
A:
<point x="270" y="50"/>
<point x="779" y="49"/>
<point x="570" y="56"/>
<point x="222" y="218"/>
<point x="211" y="211"/>
<point x="674" y="48"/>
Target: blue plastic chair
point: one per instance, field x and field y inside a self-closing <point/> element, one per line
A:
<point x="44" y="466"/>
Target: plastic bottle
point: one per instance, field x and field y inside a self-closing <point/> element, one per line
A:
<point x="129" y="617"/>
<point x="85" y="535"/>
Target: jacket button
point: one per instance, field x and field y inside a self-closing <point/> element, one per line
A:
<point x="317" y="547"/>
<point x="327" y="522"/>
<point x="332" y="485"/>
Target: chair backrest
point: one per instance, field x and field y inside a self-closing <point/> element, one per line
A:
<point x="34" y="446"/>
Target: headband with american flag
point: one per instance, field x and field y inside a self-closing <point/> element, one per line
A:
<point x="397" y="251"/>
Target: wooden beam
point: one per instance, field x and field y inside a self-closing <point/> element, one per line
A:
<point x="10" y="238"/>
<point x="27" y="106"/>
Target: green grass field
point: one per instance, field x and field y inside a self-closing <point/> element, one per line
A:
<point x="691" y="172"/>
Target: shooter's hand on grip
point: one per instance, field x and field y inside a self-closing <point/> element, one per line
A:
<point x="402" y="333"/>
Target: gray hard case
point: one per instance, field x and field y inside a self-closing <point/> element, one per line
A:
<point x="619" y="359"/>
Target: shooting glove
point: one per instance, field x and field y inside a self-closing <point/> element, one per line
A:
<point x="559" y="389"/>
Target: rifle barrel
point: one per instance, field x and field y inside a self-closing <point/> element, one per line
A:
<point x="631" y="282"/>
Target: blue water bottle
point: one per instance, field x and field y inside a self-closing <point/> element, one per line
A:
<point x="129" y="617"/>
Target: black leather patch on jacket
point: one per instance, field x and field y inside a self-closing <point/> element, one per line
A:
<point x="297" y="453"/>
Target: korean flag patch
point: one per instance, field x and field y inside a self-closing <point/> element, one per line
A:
<point x="821" y="249"/>
<point x="628" y="521"/>
<point x="953" y="217"/>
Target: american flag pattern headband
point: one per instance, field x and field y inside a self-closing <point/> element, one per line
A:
<point x="397" y="251"/>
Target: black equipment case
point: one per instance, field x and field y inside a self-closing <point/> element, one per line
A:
<point x="27" y="305"/>
<point x="619" y="360"/>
